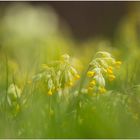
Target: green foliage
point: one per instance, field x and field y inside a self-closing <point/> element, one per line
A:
<point x="43" y="95"/>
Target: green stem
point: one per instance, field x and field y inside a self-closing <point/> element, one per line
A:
<point x="6" y="82"/>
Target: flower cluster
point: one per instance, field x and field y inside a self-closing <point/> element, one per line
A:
<point x="101" y="66"/>
<point x="67" y="72"/>
<point x="48" y="76"/>
<point x="59" y="76"/>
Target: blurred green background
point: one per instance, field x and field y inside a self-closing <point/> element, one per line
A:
<point x="33" y="33"/>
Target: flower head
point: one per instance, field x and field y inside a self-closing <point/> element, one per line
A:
<point x="102" y="90"/>
<point x="68" y="74"/>
<point x="50" y="92"/>
<point x="118" y="63"/>
<point x="90" y="73"/>
<point x="77" y="76"/>
<point x="92" y="83"/>
<point x="110" y="70"/>
<point x="111" y="77"/>
<point x="58" y="76"/>
<point x="101" y="66"/>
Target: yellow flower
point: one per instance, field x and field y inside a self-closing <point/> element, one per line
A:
<point x="111" y="77"/>
<point x="49" y="92"/>
<point x="90" y="73"/>
<point x="70" y="83"/>
<point x="92" y="83"/>
<point x="102" y="90"/>
<point x="77" y="76"/>
<point x="118" y="63"/>
<point x="109" y="70"/>
<point x="90" y="88"/>
<point x="110" y="67"/>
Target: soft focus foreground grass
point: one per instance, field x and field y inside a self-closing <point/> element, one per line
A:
<point x="115" y="114"/>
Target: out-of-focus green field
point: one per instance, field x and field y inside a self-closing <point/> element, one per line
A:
<point x="33" y="37"/>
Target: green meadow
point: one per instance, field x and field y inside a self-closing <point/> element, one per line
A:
<point x="54" y="86"/>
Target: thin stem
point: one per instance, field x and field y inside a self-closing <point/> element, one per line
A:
<point x="6" y="83"/>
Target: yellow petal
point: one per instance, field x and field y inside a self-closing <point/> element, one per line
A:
<point x="90" y="88"/>
<point x="118" y="63"/>
<point x="111" y="77"/>
<point x="49" y="92"/>
<point x="90" y="73"/>
<point x="77" y="76"/>
<point x="102" y="90"/>
<point x="92" y="83"/>
<point x="109" y="71"/>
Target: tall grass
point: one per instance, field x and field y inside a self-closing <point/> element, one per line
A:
<point x="35" y="109"/>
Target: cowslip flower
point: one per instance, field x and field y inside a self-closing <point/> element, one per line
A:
<point x="47" y="75"/>
<point x="111" y="77"/>
<point x="109" y="70"/>
<point x="90" y="73"/>
<point x="68" y="73"/>
<point x="59" y="76"/>
<point x="77" y="76"/>
<point x="92" y="83"/>
<point x="100" y="67"/>
<point x="117" y="64"/>
<point x="102" y="89"/>
<point x="50" y="92"/>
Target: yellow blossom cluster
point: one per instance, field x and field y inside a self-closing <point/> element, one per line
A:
<point x="58" y="77"/>
<point x="101" y="66"/>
